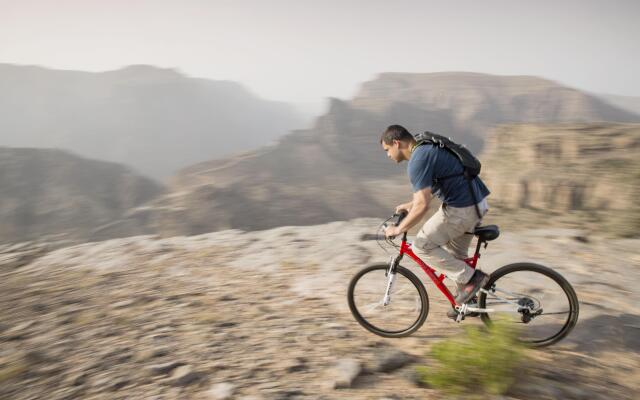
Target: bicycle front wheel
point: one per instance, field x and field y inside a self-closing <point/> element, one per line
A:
<point x="536" y="298"/>
<point x="407" y="307"/>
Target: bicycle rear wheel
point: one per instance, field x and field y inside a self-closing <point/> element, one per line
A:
<point x="404" y="314"/>
<point x="537" y="298"/>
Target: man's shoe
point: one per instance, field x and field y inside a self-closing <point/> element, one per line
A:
<point x="453" y="314"/>
<point x="477" y="281"/>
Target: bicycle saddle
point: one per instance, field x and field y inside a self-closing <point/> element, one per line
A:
<point x="487" y="233"/>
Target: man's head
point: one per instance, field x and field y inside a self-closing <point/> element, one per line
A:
<point x="396" y="141"/>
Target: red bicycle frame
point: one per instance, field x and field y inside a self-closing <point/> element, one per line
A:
<point x="405" y="248"/>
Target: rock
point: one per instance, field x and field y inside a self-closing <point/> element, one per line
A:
<point x="39" y="307"/>
<point x="221" y="391"/>
<point x="391" y="360"/>
<point x="12" y="248"/>
<point x="110" y="383"/>
<point x="411" y="375"/>
<point x="18" y="331"/>
<point x="123" y="303"/>
<point x="288" y="394"/>
<point x="101" y="382"/>
<point x="72" y="393"/>
<point x="184" y="376"/>
<point x="576" y="393"/>
<point x="119" y="384"/>
<point x="297" y="365"/>
<point x="164" y="368"/>
<point x="36" y="357"/>
<point x="17" y="260"/>
<point x="78" y="379"/>
<point x="344" y="373"/>
<point x="537" y="390"/>
<point x="337" y="330"/>
<point x="148" y="354"/>
<point x="226" y="324"/>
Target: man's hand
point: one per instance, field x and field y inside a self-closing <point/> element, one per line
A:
<point x="418" y="208"/>
<point x="404" y="206"/>
<point x="392" y="231"/>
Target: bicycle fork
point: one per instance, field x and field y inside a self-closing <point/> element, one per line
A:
<point x="391" y="276"/>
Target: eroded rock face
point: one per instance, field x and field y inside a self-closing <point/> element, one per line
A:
<point x="264" y="315"/>
<point x="594" y="169"/>
<point x="54" y="195"/>
<point x="336" y="170"/>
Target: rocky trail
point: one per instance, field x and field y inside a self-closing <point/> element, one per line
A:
<point x="263" y="315"/>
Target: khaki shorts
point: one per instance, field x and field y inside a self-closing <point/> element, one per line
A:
<point x="444" y="239"/>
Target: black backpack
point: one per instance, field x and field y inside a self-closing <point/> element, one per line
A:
<point x="471" y="165"/>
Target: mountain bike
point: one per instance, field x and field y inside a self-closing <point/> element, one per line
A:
<point x="391" y="301"/>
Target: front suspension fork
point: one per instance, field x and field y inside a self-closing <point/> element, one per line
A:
<point x="391" y="276"/>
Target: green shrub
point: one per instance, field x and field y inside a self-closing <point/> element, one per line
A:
<point x="480" y="361"/>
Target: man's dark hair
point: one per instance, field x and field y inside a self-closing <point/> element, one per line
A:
<point x="395" y="132"/>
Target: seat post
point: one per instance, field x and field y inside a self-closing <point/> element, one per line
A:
<point x="478" y="245"/>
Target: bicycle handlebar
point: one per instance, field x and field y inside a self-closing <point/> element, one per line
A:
<point x="397" y="218"/>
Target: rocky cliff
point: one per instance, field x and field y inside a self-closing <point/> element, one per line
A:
<point x="337" y="170"/>
<point x="590" y="172"/>
<point x="54" y="195"/>
<point x="471" y="103"/>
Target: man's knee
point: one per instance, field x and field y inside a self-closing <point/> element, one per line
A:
<point x="429" y="238"/>
<point x="424" y="244"/>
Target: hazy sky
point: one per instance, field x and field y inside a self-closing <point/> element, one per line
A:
<point x="304" y="51"/>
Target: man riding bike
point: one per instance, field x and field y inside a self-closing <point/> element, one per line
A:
<point x="444" y="239"/>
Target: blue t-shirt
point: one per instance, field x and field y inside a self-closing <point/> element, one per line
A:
<point x="428" y="162"/>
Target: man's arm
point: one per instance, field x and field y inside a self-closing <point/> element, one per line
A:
<point x="404" y="206"/>
<point x="419" y="207"/>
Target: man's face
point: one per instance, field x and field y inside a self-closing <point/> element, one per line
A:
<point x="393" y="150"/>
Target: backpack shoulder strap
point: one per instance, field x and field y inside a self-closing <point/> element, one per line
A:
<point x="470" y="165"/>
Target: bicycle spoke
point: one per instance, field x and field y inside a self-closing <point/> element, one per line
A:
<point x="404" y="310"/>
<point x="554" y="313"/>
<point x="404" y="290"/>
<point x="521" y="293"/>
<point x="372" y="306"/>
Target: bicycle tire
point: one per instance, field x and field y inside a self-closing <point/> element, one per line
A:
<point x="371" y="326"/>
<point x="564" y="285"/>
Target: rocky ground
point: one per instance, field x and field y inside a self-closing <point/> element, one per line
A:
<point x="263" y="315"/>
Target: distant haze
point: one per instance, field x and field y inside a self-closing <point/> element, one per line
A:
<point x="155" y="120"/>
<point x="303" y="51"/>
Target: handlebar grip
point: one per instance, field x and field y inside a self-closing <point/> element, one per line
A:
<point x="400" y="215"/>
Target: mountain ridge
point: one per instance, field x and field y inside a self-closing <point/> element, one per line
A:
<point x="336" y="170"/>
<point x="52" y="193"/>
<point x="154" y="120"/>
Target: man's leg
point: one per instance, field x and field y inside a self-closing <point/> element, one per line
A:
<point x="441" y="229"/>
<point x="459" y="248"/>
